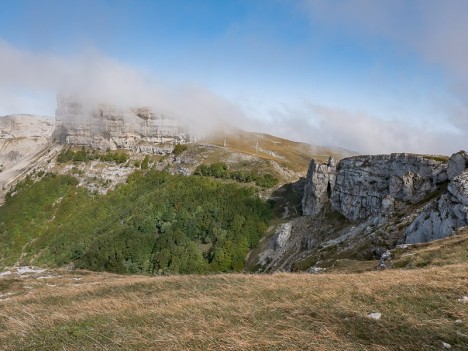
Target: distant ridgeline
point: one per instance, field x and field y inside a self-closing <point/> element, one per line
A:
<point x="107" y="127"/>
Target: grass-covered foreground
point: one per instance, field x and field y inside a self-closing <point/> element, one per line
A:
<point x="59" y="310"/>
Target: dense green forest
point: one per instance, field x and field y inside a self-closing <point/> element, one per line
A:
<point x="156" y="223"/>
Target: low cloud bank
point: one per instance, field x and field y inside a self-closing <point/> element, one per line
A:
<point x="364" y="133"/>
<point x="30" y="80"/>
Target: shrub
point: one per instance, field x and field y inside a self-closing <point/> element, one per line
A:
<point x="179" y="148"/>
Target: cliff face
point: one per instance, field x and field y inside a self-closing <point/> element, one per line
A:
<point x="107" y="127"/>
<point x="440" y="218"/>
<point x="320" y="181"/>
<point x="362" y="208"/>
<point x="23" y="141"/>
<point x="365" y="187"/>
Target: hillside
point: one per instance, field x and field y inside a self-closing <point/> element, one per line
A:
<point x="420" y="309"/>
<point x="103" y="210"/>
<point x="156" y="223"/>
<point x="357" y="211"/>
<point x="66" y="202"/>
<point x="232" y="202"/>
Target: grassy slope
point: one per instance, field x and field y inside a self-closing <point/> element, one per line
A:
<point x="94" y="311"/>
<point x="451" y="250"/>
<point x="290" y="154"/>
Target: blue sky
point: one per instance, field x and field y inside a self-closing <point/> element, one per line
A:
<point x="372" y="76"/>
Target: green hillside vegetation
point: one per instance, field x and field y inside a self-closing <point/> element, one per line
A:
<point x="156" y="223"/>
<point x="84" y="155"/>
<point x="221" y="170"/>
<point x="179" y="148"/>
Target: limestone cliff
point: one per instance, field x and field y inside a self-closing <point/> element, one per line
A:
<point x="108" y="127"/>
<point x="363" y="187"/>
<point x="442" y="217"/>
<point x="320" y="181"/>
<point x="23" y="141"/>
<point x="364" y="206"/>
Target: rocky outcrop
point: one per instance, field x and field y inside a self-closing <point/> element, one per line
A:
<point x="364" y="186"/>
<point x="23" y="139"/>
<point x="22" y="136"/>
<point x="457" y="164"/>
<point x="440" y="218"/>
<point x="319" y="182"/>
<point x="107" y="127"/>
<point x="368" y="185"/>
<point x="25" y="126"/>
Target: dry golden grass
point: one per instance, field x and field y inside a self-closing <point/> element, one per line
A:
<point x="290" y="154"/>
<point x="98" y="311"/>
<point x="450" y="250"/>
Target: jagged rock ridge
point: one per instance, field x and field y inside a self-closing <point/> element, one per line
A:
<point x="362" y="187"/>
<point x="107" y="127"/>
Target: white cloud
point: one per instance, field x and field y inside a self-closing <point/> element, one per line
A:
<point x="27" y="79"/>
<point x="361" y="132"/>
<point x="435" y="31"/>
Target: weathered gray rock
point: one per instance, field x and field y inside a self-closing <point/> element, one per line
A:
<point x="320" y="181"/>
<point x="107" y="127"/>
<point x="283" y="233"/>
<point x="440" y="218"/>
<point x="23" y="139"/>
<point x="457" y="164"/>
<point x="368" y="185"/>
<point x="385" y="260"/>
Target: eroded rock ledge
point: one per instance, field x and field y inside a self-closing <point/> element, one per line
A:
<point x="363" y="187"/>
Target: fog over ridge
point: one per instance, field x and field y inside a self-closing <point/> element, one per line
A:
<point x="93" y="77"/>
